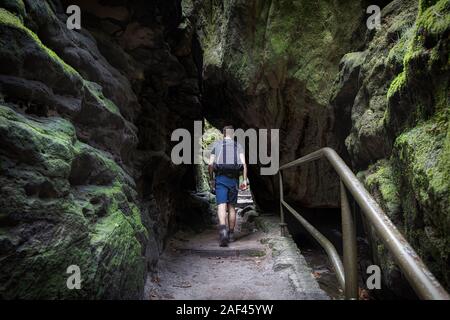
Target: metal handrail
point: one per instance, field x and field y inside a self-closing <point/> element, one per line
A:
<point x="421" y="279"/>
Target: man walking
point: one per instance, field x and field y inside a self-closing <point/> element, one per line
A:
<point x="226" y="163"/>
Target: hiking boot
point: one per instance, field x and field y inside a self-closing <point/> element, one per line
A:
<point x="231" y="236"/>
<point x="223" y="236"/>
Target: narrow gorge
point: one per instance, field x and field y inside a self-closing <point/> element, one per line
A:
<point x="86" y="120"/>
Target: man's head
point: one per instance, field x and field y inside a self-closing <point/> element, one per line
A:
<point x="228" y="131"/>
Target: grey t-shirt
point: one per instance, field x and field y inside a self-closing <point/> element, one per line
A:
<point x="224" y="150"/>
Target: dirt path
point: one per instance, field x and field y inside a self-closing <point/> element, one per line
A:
<point x="259" y="265"/>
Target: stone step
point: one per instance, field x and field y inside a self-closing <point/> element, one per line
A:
<point x="244" y="196"/>
<point x="224" y="253"/>
<point x="207" y="244"/>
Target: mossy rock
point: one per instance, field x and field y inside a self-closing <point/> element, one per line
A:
<point x="19" y="44"/>
<point x="94" y="224"/>
<point x="382" y="182"/>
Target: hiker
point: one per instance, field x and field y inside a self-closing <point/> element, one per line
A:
<point x="226" y="162"/>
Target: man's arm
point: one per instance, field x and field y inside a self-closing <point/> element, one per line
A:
<point x="244" y="173"/>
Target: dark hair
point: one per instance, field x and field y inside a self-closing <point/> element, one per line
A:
<point x="224" y="130"/>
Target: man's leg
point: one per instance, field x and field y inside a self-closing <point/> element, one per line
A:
<point x="231" y="216"/>
<point x="231" y="221"/>
<point x="222" y="213"/>
<point x="221" y="198"/>
<point x="232" y="198"/>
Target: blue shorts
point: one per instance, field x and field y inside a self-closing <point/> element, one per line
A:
<point x="226" y="189"/>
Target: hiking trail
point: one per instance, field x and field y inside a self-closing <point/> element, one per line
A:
<point x="260" y="264"/>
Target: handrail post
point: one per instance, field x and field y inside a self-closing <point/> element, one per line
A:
<point x="282" y="221"/>
<point x="349" y="247"/>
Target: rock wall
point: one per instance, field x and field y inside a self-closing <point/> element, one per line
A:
<point x="85" y="124"/>
<point x="396" y="94"/>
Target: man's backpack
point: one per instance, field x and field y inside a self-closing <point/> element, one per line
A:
<point x="227" y="161"/>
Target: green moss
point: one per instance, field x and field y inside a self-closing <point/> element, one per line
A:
<point x="11" y="20"/>
<point x="103" y="162"/>
<point x="441" y="99"/>
<point x="433" y="20"/>
<point x="97" y="92"/>
<point x="55" y="128"/>
<point x="210" y="135"/>
<point x="423" y="153"/>
<point x="400" y="49"/>
<point x="397" y="84"/>
<point x="117" y="232"/>
<point x="47" y="144"/>
<point x="298" y="40"/>
<point x="434" y="16"/>
<point x="107" y="242"/>
<point x="414" y="182"/>
<point x="113" y="222"/>
<point x="382" y="181"/>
